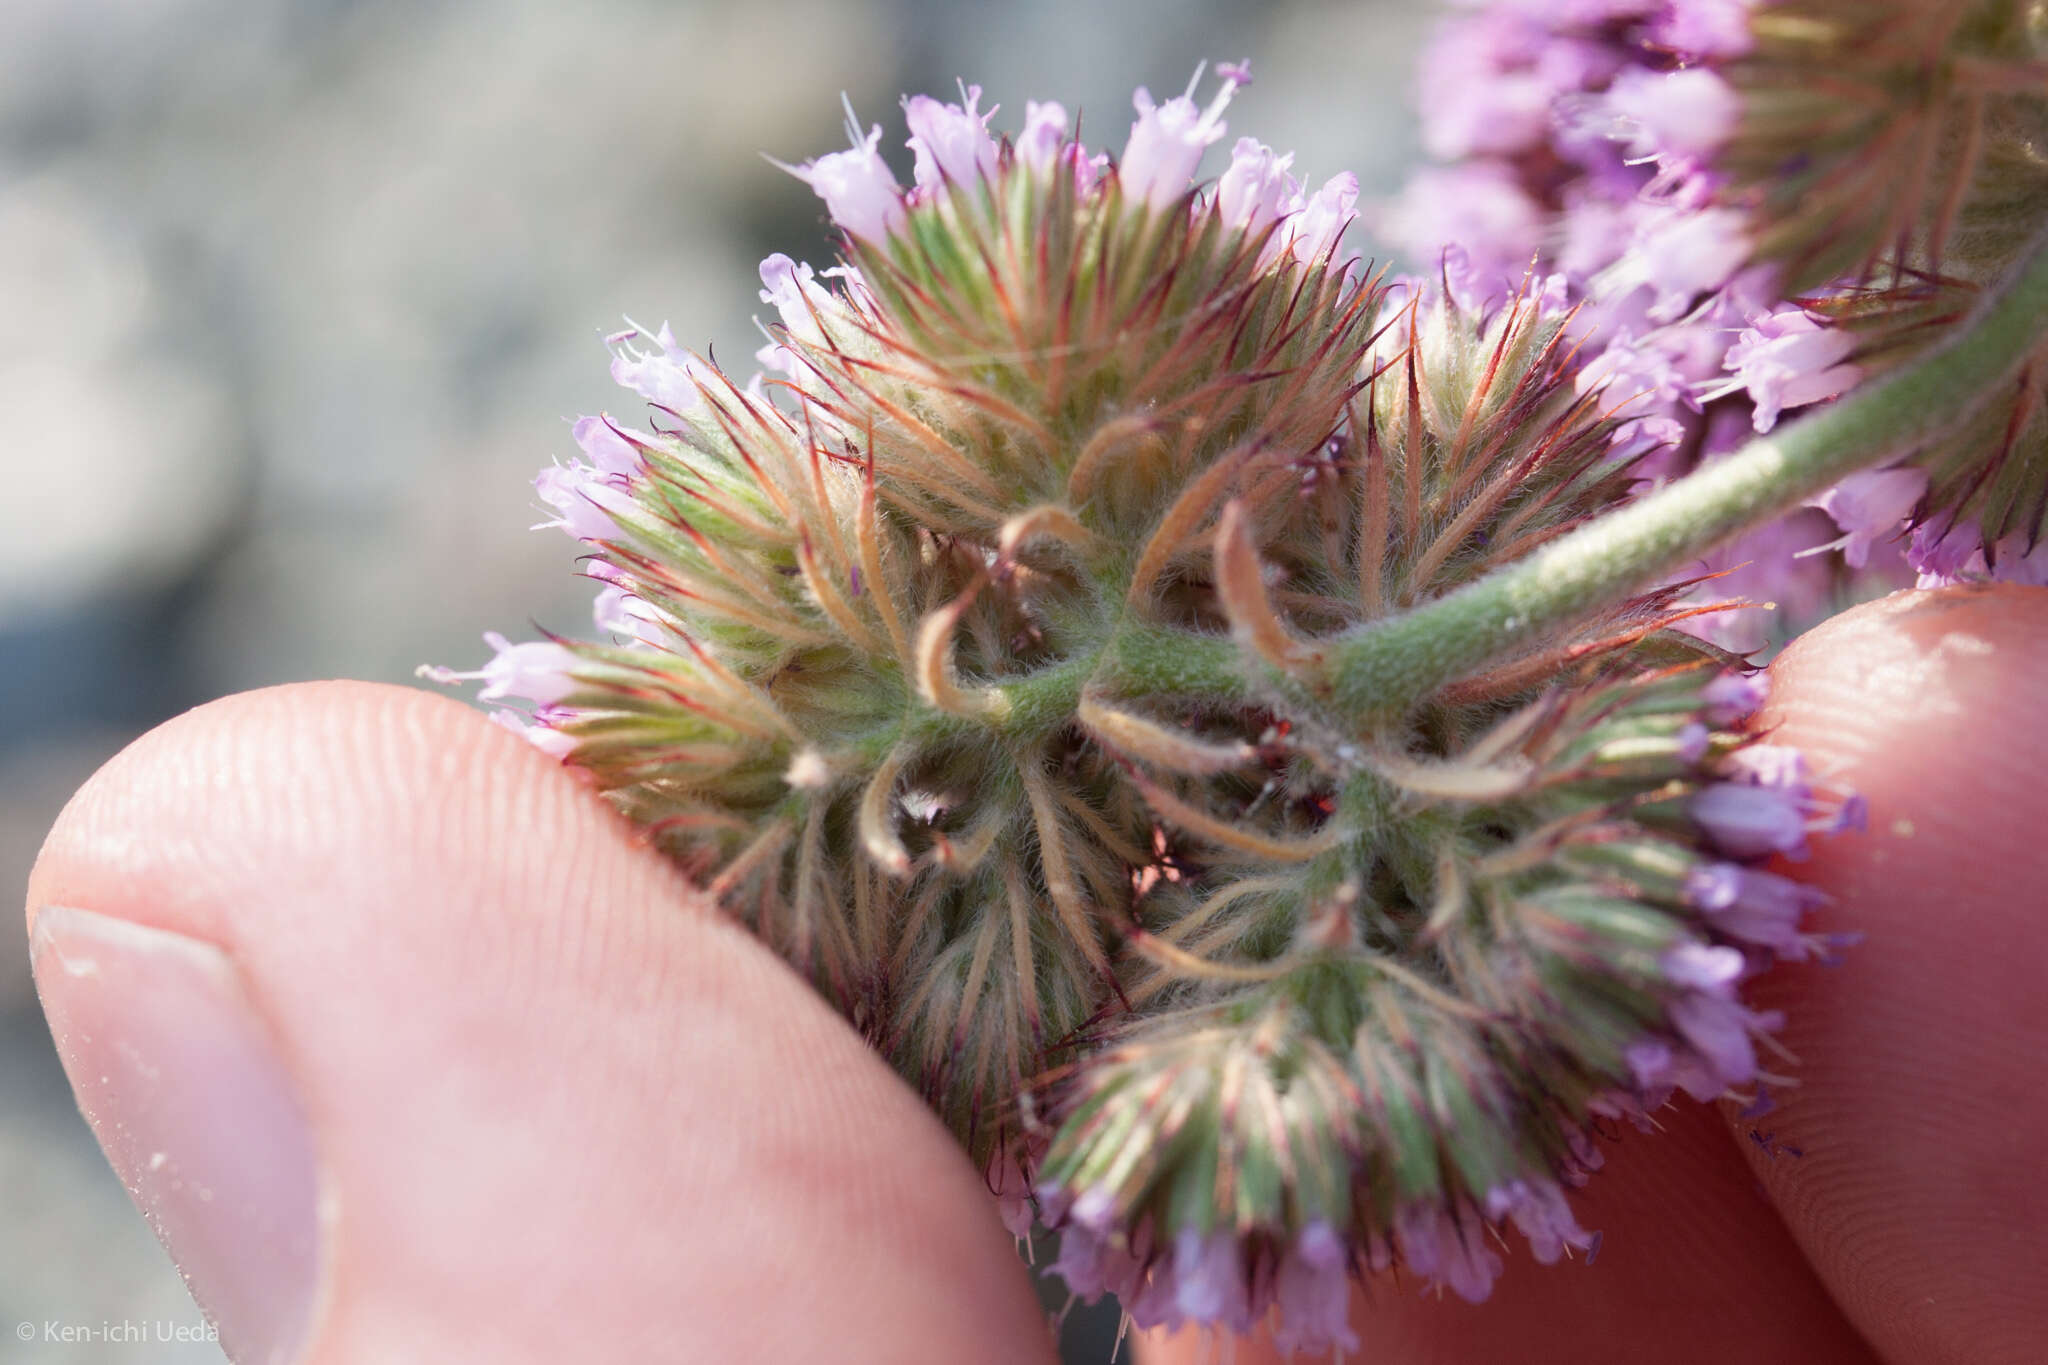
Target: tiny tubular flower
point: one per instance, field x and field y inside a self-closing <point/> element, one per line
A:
<point x="1871" y="506"/>
<point x="536" y="670"/>
<point x="950" y="142"/>
<point x="1167" y="141"/>
<point x="860" y="193"/>
<point x="584" y="500"/>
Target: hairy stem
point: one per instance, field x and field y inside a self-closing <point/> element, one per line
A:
<point x="1389" y="665"/>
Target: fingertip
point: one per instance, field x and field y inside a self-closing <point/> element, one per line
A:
<point x="1918" y="1109"/>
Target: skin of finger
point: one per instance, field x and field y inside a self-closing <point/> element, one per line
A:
<point x="564" y="1110"/>
<point x="1920" y="1109"/>
<point x="1694" y="1269"/>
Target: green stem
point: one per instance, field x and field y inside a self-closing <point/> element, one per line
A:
<point x="1389" y="665"/>
<point x="1137" y="659"/>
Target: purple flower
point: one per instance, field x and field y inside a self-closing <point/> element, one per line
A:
<point x="1769" y="806"/>
<point x="1709" y="1017"/>
<point x="1480" y="206"/>
<point x="1870" y="506"/>
<point x="1642" y="387"/>
<point x="1751" y="822"/>
<point x="619" y="612"/>
<point x="1167" y="143"/>
<point x="1080" y="1262"/>
<point x="1209" y="1284"/>
<point x="1324" y="218"/>
<point x="1686" y="113"/>
<point x="537" y="670"/>
<point x="1733" y="698"/>
<point x="800" y="301"/>
<point x="584" y="500"/>
<point x="1693" y="741"/>
<point x="1659" y="1068"/>
<point x="949" y="141"/>
<point x="1755" y="907"/>
<point x="1256" y="191"/>
<point x="1942" y="554"/>
<point x="1704" y="967"/>
<point x="1153" y="1299"/>
<point x="1084" y="1239"/>
<point x="1449" y="1249"/>
<point x="1540" y="1213"/>
<point x="1489" y="82"/>
<point x="1787" y="359"/>
<point x="860" y="193"/>
<point x="545" y="738"/>
<point x="611" y="450"/>
<point x="1313" y="1292"/>
<point x="1705" y="28"/>
<point x="1683" y="253"/>
<point x="1044" y="133"/>
<point x="665" y="376"/>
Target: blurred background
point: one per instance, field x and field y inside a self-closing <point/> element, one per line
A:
<point x="295" y="297"/>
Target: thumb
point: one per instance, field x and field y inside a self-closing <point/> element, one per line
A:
<point x="409" y="1052"/>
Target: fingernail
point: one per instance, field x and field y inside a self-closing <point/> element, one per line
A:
<point x="190" y="1099"/>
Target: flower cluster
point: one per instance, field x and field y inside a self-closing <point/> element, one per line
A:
<point x="1383" y="1032"/>
<point x="1749" y="240"/>
<point x="985" y="656"/>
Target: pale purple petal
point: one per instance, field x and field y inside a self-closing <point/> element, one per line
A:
<point x="1478" y="205"/>
<point x="1718" y="1030"/>
<point x="1045" y="132"/>
<point x="1541" y="1214"/>
<point x="1733" y="698"/>
<point x="545" y="738"/>
<point x="1747" y="821"/>
<point x="1754" y="906"/>
<point x="1322" y="221"/>
<point x="950" y="142"/>
<point x="1685" y="113"/>
<point x="860" y="193"/>
<point x="1659" y="1068"/>
<point x="1705" y="28"/>
<point x="1684" y="253"/>
<point x="1450" y="1251"/>
<point x="1256" y="191"/>
<point x="583" y="499"/>
<point x="665" y="376"/>
<point x="1209" y="1283"/>
<point x="537" y="670"/>
<point x="1312" y="1290"/>
<point x="610" y="450"/>
<point x="619" y="612"/>
<point x="1166" y="144"/>
<point x="1787" y="359"/>
<point x="1081" y="1261"/>
<point x="1704" y="967"/>
<point x="1693" y="741"/>
<point x="1870" y="506"/>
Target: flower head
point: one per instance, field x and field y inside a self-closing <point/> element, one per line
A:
<point x="985" y="666"/>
